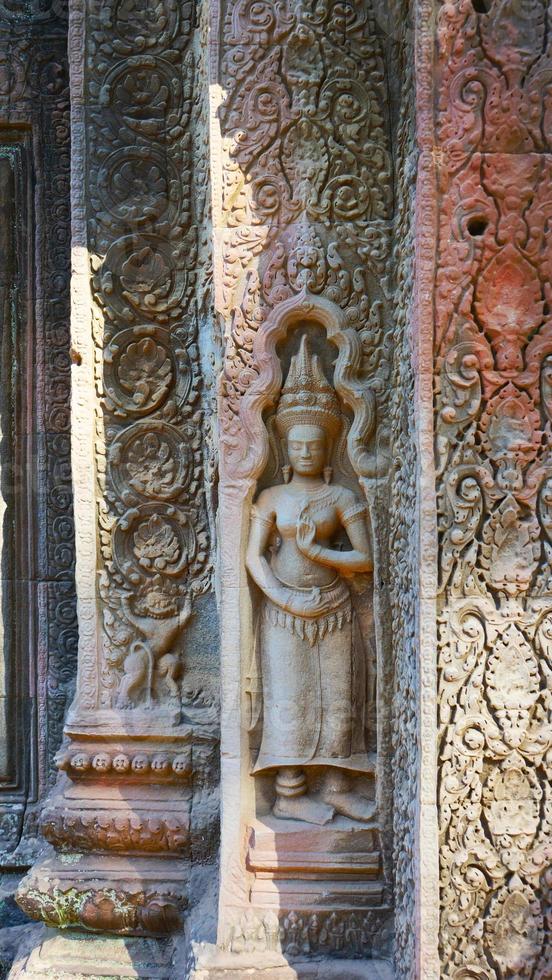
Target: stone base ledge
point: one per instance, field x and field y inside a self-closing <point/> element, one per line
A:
<point x="124" y="895"/>
<point x="82" y="956"/>
<point x="212" y="963"/>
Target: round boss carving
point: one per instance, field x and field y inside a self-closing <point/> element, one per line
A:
<point x="150" y="460"/>
<point x="145" y="94"/>
<point x="151" y="539"/>
<point x="148" y="276"/>
<point x="143" y="366"/>
<point x="144" y="24"/>
<point x="139" y="185"/>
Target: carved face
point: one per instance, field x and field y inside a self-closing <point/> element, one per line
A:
<point x="306" y="446"/>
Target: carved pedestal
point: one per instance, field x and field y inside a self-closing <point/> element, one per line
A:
<point x="213" y="964"/>
<point x="121" y="822"/>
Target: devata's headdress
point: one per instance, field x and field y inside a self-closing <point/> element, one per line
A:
<point x="307" y="396"/>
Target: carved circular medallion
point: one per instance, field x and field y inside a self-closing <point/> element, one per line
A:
<point x="139" y="185"/>
<point x="145" y="94"/>
<point x="141" y="367"/>
<point x="143" y="24"/>
<point x="152" y="539"/>
<point x="144" y="275"/>
<point x="150" y="460"/>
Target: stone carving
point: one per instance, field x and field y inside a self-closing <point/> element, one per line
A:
<point x="105" y="910"/>
<point x="153" y="520"/>
<point x="303" y="209"/>
<point x="34" y="98"/>
<point x="492" y="342"/>
<point x="403" y="546"/>
<point x="309" y="677"/>
<point x="312" y="205"/>
<point x="297" y="934"/>
<point x="109" y="831"/>
<point x="137" y="424"/>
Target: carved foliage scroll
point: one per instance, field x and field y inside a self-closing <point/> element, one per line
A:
<point x="493" y="344"/>
<point x="306" y="191"/>
<point x="143" y="239"/>
<point x="304" y="218"/>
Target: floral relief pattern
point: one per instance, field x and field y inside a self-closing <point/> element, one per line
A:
<point x="492" y="343"/>
<point x="143" y="230"/>
<point x="307" y="200"/>
<point x="304" y="212"/>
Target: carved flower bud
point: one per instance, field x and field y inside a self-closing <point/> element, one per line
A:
<point x="121" y="763"/>
<point x="140" y="763"/>
<point x="159" y="763"/>
<point x="101" y="762"/>
<point x="103" y="913"/>
<point x="180" y="765"/>
<point x="80" y="762"/>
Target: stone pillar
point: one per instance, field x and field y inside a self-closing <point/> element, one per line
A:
<point x="142" y="721"/>
<point x="492" y="346"/>
<point x="302" y="123"/>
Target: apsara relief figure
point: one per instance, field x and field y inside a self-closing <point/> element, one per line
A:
<point x="308" y="679"/>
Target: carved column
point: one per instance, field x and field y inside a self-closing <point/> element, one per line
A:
<point x="140" y="723"/>
<point x="493" y="411"/>
<point x="303" y="211"/>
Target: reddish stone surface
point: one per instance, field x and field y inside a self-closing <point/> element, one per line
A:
<point x="493" y="340"/>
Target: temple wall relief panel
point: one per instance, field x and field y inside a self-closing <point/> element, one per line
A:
<point x="38" y="630"/>
<point x="303" y="217"/>
<point x="492" y="450"/>
<point x="141" y="737"/>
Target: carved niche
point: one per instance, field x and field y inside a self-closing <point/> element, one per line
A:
<point x="142" y="731"/>
<point x="303" y="223"/>
<point x="311" y="678"/>
<point x="492" y="350"/>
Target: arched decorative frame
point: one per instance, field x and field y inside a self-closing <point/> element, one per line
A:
<point x="242" y="463"/>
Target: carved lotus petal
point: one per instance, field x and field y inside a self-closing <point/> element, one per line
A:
<point x="143" y="270"/>
<point x="105" y="913"/>
<point x="155" y="543"/>
<point x="160" y="916"/>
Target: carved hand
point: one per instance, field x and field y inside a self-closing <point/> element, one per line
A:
<point x="306" y="535"/>
<point x="347" y="563"/>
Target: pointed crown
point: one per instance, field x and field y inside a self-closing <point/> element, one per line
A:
<point x="307" y="396"/>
